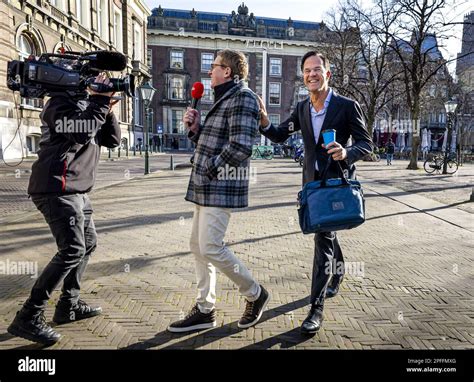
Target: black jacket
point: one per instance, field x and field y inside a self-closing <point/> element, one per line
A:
<point x="72" y="133"/>
<point x="390" y="148"/>
<point x="343" y="115"/>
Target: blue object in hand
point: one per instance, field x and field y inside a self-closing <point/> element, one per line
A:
<point x="329" y="136"/>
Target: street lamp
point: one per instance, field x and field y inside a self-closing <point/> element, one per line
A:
<point x="147" y="92"/>
<point x="450" y="107"/>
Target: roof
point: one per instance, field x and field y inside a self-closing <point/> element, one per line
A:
<point x="214" y="16"/>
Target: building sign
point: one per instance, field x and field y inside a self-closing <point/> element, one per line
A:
<point x="264" y="44"/>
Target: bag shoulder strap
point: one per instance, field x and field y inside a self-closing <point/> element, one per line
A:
<point x="326" y="169"/>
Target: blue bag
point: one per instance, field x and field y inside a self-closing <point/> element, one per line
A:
<point x="331" y="204"/>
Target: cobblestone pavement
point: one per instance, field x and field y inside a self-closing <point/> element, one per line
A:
<point x="14" y="179"/>
<point x="408" y="285"/>
<point x="448" y="189"/>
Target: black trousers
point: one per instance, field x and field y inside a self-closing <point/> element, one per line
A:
<point x="70" y="220"/>
<point x="328" y="262"/>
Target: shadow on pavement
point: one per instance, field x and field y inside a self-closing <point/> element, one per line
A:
<point x="286" y="340"/>
<point x="209" y="336"/>
<point x="417" y="211"/>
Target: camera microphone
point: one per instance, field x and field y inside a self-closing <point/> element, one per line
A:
<point x="107" y="60"/>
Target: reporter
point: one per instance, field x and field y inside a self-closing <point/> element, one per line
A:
<point x="73" y="130"/>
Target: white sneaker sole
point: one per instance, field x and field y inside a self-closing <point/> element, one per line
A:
<point x="192" y="328"/>
<point x="254" y="322"/>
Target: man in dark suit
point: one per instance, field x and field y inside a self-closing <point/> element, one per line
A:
<point x="324" y="109"/>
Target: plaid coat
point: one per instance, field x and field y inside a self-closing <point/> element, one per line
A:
<point x="219" y="177"/>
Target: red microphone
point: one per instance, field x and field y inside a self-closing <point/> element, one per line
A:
<point x="196" y="93"/>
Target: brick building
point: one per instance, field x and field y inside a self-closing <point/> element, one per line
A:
<point x="182" y="44"/>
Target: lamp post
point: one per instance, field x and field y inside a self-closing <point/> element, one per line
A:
<point x="450" y="107"/>
<point x="147" y="92"/>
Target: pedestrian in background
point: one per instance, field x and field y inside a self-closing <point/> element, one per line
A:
<point x="390" y="149"/>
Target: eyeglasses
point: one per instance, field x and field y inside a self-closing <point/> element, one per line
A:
<point x="214" y="65"/>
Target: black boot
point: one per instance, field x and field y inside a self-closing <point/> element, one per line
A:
<point x="313" y="321"/>
<point x="33" y="327"/>
<point x="65" y="313"/>
<point x="333" y="287"/>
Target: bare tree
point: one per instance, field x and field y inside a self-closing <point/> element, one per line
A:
<point x="420" y="21"/>
<point x="362" y="68"/>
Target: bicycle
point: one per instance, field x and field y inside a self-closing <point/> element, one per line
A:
<point x="436" y="164"/>
<point x="265" y="154"/>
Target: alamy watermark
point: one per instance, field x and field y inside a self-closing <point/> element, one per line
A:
<point x="9" y="267"/>
<point x="32" y="365"/>
<point x="237" y="173"/>
<point x="400" y="126"/>
<point x="353" y="268"/>
<point x="78" y="126"/>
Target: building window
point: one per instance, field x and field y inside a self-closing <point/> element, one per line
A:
<point x="247" y="58"/>
<point x="27" y="46"/>
<point x="124" y="110"/>
<point x="302" y="93"/>
<point x="177" y="59"/>
<point x="102" y="18"/>
<point x="208" y="27"/>
<point x="117" y="29"/>
<point x="82" y="12"/>
<point x="299" y="73"/>
<point x="206" y="60"/>
<point x="274" y="93"/>
<point x="274" y="119"/>
<point x="177" y="125"/>
<point x="58" y="4"/>
<point x="149" y="58"/>
<point x="208" y="96"/>
<point x="79" y="11"/>
<point x="176" y="88"/>
<point x="137" y="115"/>
<point x="137" y="35"/>
<point x="275" y="67"/>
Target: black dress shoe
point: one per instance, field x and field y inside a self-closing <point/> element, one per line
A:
<point x="33" y="327"/>
<point x="313" y="322"/>
<point x="69" y="313"/>
<point x="333" y="287"/>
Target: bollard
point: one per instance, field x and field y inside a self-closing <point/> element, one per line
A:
<point x="119" y="152"/>
<point x="171" y="163"/>
<point x="110" y="153"/>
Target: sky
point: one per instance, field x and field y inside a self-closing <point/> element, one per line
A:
<point x="305" y="10"/>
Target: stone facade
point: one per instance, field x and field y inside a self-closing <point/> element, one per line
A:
<point x="465" y="73"/>
<point x="36" y="27"/>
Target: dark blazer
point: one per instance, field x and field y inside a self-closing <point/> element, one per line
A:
<point x="343" y="115"/>
<point x="72" y="132"/>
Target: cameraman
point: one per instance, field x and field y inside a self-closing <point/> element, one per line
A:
<point x="73" y="130"/>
